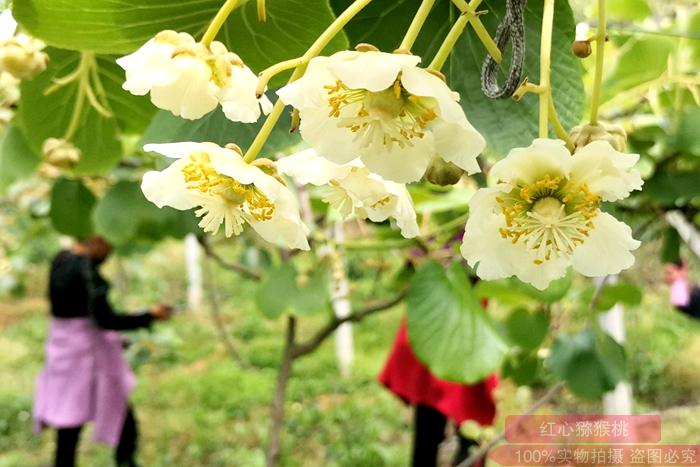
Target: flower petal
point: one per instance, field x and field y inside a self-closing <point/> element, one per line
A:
<point x="238" y="99"/>
<point x="459" y="144"/>
<point x="607" y="249"/>
<point x="168" y="188"/>
<point x="401" y="165"/>
<point x="420" y="82"/>
<point x="150" y="66"/>
<point x="353" y="68"/>
<point x="327" y="138"/>
<point x="526" y="165"/>
<point x="606" y="171"/>
<point x="306" y="167"/>
<point x="192" y="95"/>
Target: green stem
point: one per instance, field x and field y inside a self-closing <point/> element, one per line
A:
<point x="599" y="61"/>
<point x="559" y="129"/>
<point x="545" y="68"/>
<point x="479" y="29"/>
<point x="218" y="21"/>
<point x="315" y="49"/>
<point x="266" y="75"/>
<point x="83" y="73"/>
<point x="448" y="44"/>
<point x="416" y="25"/>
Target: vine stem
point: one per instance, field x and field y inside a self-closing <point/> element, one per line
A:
<point x="218" y="21"/>
<point x="473" y="17"/>
<point x="448" y="44"/>
<point x="416" y="25"/>
<point x="315" y="49"/>
<point x="599" y="61"/>
<point x="545" y="66"/>
<point x="559" y="129"/>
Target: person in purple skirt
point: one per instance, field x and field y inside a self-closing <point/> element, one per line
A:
<point x="85" y="377"/>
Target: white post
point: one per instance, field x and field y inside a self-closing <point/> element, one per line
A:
<point x="618" y="401"/>
<point x="686" y="230"/>
<point x="340" y="298"/>
<point x="193" y="267"/>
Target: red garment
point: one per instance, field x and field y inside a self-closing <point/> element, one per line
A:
<point x="409" y="379"/>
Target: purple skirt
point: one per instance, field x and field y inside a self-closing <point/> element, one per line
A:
<point x="85" y="378"/>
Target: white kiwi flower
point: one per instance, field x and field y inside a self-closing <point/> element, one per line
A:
<point x="385" y="110"/>
<point x="227" y="191"/>
<point x="353" y="190"/>
<point x="190" y="79"/>
<point x="544" y="214"/>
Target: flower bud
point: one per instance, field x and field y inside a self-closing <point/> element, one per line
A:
<point x="268" y="167"/>
<point x="443" y="173"/>
<point x="613" y="134"/>
<point x="22" y="57"/>
<point x="581" y="49"/>
<point x="60" y="153"/>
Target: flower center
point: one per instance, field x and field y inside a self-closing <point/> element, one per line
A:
<point x="201" y="176"/>
<point x="550" y="217"/>
<point x="391" y="116"/>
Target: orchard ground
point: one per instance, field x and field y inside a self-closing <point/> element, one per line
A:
<point x="197" y="407"/>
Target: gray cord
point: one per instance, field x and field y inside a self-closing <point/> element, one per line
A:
<point x="511" y="29"/>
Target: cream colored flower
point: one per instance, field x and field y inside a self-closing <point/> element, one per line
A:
<point x="227" y="191"/>
<point x="385" y="110"/>
<point x="353" y="190"/>
<point x="544" y="214"/>
<point x="190" y="79"/>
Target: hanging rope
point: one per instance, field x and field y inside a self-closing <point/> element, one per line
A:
<point x="511" y="29"/>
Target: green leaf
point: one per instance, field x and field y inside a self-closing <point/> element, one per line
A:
<point x="281" y="292"/>
<point x="216" y="128"/>
<point x="591" y="364"/>
<point x="670" y="186"/>
<point x="688" y="136"/>
<point x="628" y="10"/>
<point x="124" y="215"/>
<point x="17" y="159"/>
<point x="526" y="330"/>
<point x="382" y="25"/>
<point x="122" y="26"/>
<point x="521" y="367"/>
<point x="671" y="250"/>
<point x="41" y="117"/>
<point x="628" y="294"/>
<point x="514" y="292"/>
<point x="71" y="208"/>
<point x="448" y="328"/>
<point x="641" y="59"/>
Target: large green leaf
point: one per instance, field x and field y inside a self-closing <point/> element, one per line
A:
<point x="216" y="128"/>
<point x="17" y="159"/>
<point x="526" y="330"/>
<point x="591" y="363"/>
<point x="448" y="328"/>
<point x="282" y="291"/>
<point x="641" y="59"/>
<point x="71" y="208"/>
<point x="504" y="123"/>
<point x="124" y="215"/>
<point x="121" y="26"/>
<point x="669" y="186"/>
<point x="42" y="116"/>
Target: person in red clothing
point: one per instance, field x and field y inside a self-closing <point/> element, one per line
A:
<point x="435" y="401"/>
